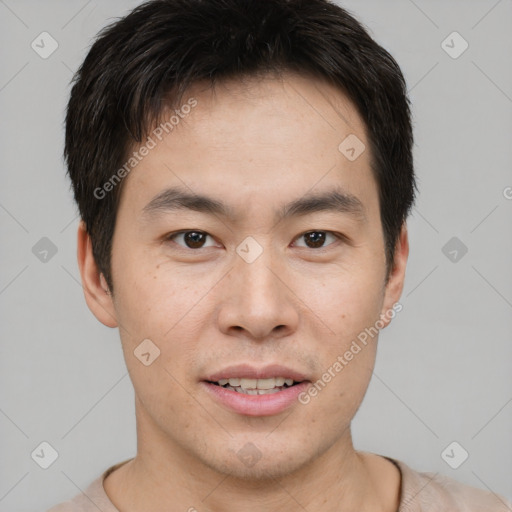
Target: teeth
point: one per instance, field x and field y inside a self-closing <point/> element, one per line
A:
<point x="268" y="391"/>
<point x="247" y="383"/>
<point x="265" y="383"/>
<point x="254" y="391"/>
<point x="257" y="384"/>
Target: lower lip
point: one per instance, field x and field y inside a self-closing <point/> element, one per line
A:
<point x="257" y="405"/>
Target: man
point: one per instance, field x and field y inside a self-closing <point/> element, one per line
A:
<point x="244" y="172"/>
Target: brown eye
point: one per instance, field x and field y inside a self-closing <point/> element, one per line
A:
<point x="315" y="239"/>
<point x="194" y="239"/>
<point x="190" y="239"/>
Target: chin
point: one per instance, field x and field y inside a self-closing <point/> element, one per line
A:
<point x="258" y="461"/>
<point x="263" y="471"/>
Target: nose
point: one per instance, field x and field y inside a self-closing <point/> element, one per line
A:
<point x="258" y="302"/>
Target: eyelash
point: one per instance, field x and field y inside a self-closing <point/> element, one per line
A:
<point x="170" y="238"/>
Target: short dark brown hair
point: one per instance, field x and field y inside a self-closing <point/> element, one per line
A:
<point x="145" y="61"/>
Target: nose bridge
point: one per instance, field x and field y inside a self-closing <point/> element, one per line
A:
<point x="258" y="301"/>
<point x="255" y="271"/>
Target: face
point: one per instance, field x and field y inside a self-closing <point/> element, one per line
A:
<point x="246" y="237"/>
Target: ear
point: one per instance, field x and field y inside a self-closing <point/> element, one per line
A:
<point x="395" y="284"/>
<point x="97" y="294"/>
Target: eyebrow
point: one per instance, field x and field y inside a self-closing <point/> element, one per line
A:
<point x="179" y="199"/>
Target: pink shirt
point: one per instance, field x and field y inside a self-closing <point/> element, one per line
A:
<point x="420" y="492"/>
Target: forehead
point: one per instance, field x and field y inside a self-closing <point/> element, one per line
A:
<point x="259" y="139"/>
<point x="282" y="108"/>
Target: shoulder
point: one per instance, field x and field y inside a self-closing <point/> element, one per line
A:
<point x="433" y="492"/>
<point x="92" y="499"/>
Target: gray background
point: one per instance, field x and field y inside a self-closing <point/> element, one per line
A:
<point x="443" y="371"/>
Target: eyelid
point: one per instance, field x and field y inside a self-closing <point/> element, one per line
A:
<point x="339" y="237"/>
<point x="171" y="236"/>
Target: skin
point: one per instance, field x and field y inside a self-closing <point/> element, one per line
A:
<point x="254" y="146"/>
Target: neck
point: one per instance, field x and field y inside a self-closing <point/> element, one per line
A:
<point x="165" y="476"/>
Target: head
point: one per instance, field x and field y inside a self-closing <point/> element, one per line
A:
<point x="243" y="172"/>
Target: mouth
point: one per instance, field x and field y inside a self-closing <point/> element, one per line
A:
<point x="248" y="386"/>
<point x="256" y="391"/>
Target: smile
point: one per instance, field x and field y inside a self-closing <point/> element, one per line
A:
<point x="256" y="386"/>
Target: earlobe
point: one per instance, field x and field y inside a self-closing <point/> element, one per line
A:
<point x="395" y="284"/>
<point x="96" y="291"/>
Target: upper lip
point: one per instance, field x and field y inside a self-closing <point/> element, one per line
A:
<point x="252" y="372"/>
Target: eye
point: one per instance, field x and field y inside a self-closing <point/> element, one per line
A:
<point x="316" y="239"/>
<point x="191" y="239"/>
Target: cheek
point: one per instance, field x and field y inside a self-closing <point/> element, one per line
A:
<point x="167" y="307"/>
<point x="345" y="301"/>
<point x="346" y="307"/>
<point x="152" y="298"/>
<point x="154" y="306"/>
